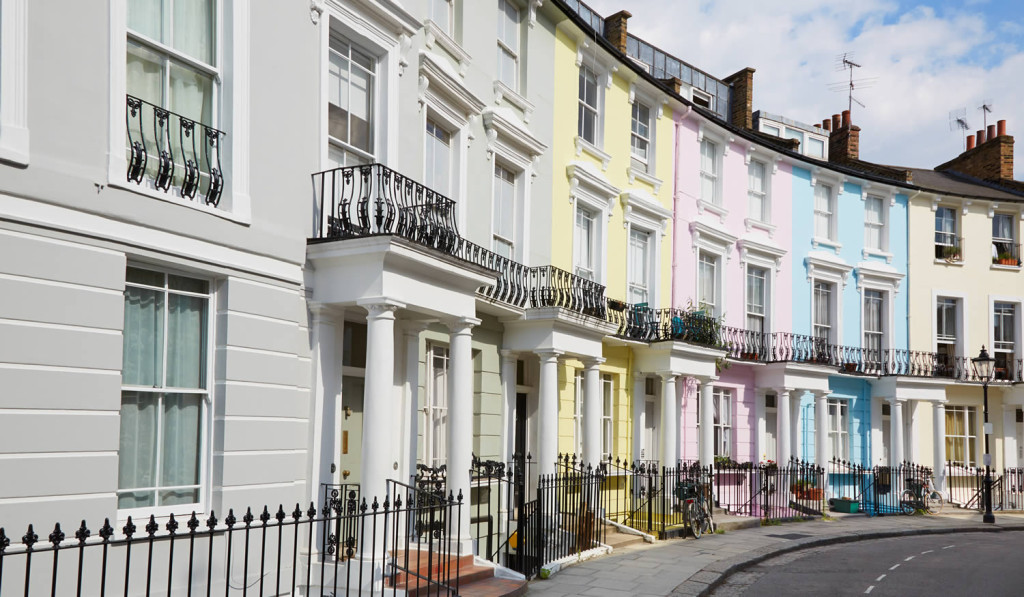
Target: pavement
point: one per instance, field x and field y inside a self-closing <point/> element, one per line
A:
<point x="694" y="567"/>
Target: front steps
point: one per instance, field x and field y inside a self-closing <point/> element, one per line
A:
<point x="475" y="580"/>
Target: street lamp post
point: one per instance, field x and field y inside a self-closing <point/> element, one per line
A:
<point x="983" y="368"/>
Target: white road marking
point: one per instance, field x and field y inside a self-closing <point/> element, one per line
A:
<point x="948" y="546"/>
<point x="908" y="558"/>
<point x="869" y="589"/>
<point x="880" y="578"/>
<point x="929" y="551"/>
<point x="894" y="567"/>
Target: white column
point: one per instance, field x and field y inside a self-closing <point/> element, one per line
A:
<point x="593" y="409"/>
<point x="706" y="447"/>
<point x="909" y="439"/>
<point x="821" y="443"/>
<point x="939" y="443"/>
<point x="896" y="432"/>
<point x="325" y="412"/>
<point x="460" y="415"/>
<point x="547" y="415"/>
<point x="411" y="392"/>
<point x="377" y="458"/>
<point x="1009" y="435"/>
<point x="639" y="413"/>
<point x="669" y="419"/>
<point x="509" y="363"/>
<point x="795" y="426"/>
<point x="761" y="421"/>
<point x="783" y="436"/>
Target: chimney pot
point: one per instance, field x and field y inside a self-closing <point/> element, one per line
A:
<point x="991" y="132"/>
<point x="835" y="122"/>
<point x="826" y="124"/>
<point x="1001" y="128"/>
<point x="970" y="142"/>
<point x="846" y="119"/>
<point x="980" y="136"/>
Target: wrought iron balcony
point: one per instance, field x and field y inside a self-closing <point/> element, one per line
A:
<point x="554" y="287"/>
<point x="173" y="151"/>
<point x="639" y="322"/>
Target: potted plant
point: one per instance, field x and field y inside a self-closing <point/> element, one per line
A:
<point x="951" y="253"/>
<point x="805" y="489"/>
<point x="1005" y="258"/>
<point x="850" y="367"/>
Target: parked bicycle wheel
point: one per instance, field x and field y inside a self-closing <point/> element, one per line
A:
<point x="933" y="502"/>
<point x="907" y="501"/>
<point x="696" y="518"/>
<point x="708" y="523"/>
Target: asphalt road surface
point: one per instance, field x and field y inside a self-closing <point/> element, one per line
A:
<point x="982" y="564"/>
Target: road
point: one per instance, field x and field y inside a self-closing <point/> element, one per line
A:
<point x="986" y="564"/>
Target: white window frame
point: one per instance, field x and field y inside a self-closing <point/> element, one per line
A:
<point x="702" y="97"/>
<point x="448" y="27"/>
<point x="603" y="74"/>
<point x="970" y="436"/>
<point x="956" y="233"/>
<point x="715" y="242"/>
<point x="884" y="335"/>
<point x="593" y="193"/>
<point x="435" y="407"/>
<point x="14" y="131"/>
<point x="1016" y="329"/>
<point x="837" y="274"/>
<point x="429" y="160"/>
<point x="643" y="212"/>
<point x="1011" y="240"/>
<point x="765" y="217"/>
<point x="768" y="258"/>
<point x="765" y="299"/>
<point x="882" y="227"/>
<point x="832" y="213"/>
<point x="515" y="150"/>
<point x="716" y="261"/>
<point x="645" y="164"/>
<point x="579" y="396"/>
<point x="962" y="335"/>
<point x="722" y="434"/>
<point x="585" y="108"/>
<point x="833" y="310"/>
<point x="231" y="106"/>
<point x="340" y="145"/>
<point x="205" y="426"/>
<point x="503" y="47"/>
<point x="839" y="434"/>
<point x="633" y="287"/>
<point x="714" y="176"/>
<point x="497" y="181"/>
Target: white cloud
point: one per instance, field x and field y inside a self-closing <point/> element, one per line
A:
<point x="927" y="63"/>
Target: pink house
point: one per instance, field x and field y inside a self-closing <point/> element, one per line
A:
<point x="731" y="260"/>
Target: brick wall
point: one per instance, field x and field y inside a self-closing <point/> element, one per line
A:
<point x="992" y="160"/>
<point x="741" y="112"/>
<point x="615" y="29"/>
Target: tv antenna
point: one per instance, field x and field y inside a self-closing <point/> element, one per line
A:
<point x="958" y="120"/>
<point x="986" y="109"/>
<point x="845" y="61"/>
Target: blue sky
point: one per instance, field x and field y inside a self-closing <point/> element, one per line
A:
<point x="927" y="59"/>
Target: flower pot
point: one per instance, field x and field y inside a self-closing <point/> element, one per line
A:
<point x="811" y="493"/>
<point x="850" y="367"/>
<point x="844" y="506"/>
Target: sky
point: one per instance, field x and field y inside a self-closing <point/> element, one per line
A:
<point x="925" y="60"/>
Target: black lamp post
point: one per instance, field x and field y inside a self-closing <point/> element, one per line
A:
<point x="983" y="368"/>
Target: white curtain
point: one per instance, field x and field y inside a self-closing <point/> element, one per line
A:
<point x="180" y="448"/>
<point x="186" y="339"/>
<point x="584" y="243"/>
<point x="193" y="28"/>
<point x="136" y="462"/>
<point x="143" y="337"/>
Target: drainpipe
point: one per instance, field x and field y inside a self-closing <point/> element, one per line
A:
<point x="910" y="198"/>
<point x="675" y="190"/>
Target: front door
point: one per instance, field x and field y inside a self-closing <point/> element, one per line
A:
<point x="649" y="445"/>
<point x="351" y="429"/>
<point x="522" y="414"/>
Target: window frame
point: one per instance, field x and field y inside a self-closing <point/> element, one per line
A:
<point x="715" y="177"/>
<point x="715" y="260"/>
<point x="645" y="164"/>
<point x="722" y="433"/>
<point x="881" y="335"/>
<point x="448" y="28"/>
<point x="590" y="271"/>
<point x="430" y="138"/>
<point x="649" y="273"/>
<point x="832" y="303"/>
<point x="498" y="180"/>
<point x="765" y="217"/>
<point x="1011" y="241"/>
<point x="607" y="415"/>
<point x="765" y="296"/>
<point x="839" y="428"/>
<point x="830" y="214"/>
<point x="940" y="339"/>
<point x="205" y="448"/>
<point x="881" y="226"/>
<point x="969" y="438"/>
<point x="1000" y="350"/>
<point x="579" y="396"/>
<point x="951" y="237"/>
<point x="14" y="83"/>
<point x="503" y="46"/>
<point x="345" y="146"/>
<point x="435" y="433"/>
<point x="585" y="107"/>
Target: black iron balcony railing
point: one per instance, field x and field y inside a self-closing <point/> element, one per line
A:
<point x="373" y="200"/>
<point x="639" y="322"/>
<point x="1005" y="253"/>
<point x="554" y="287"/>
<point x="948" y="247"/>
<point x="173" y="151"/>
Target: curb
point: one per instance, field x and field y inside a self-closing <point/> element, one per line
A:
<point x="714" y="574"/>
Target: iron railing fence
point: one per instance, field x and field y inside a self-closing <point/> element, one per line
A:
<point x="879" y="490"/>
<point x="571" y="506"/>
<point x="554" y="287"/>
<point x="502" y="515"/>
<point x="625" y="483"/>
<point x="343" y="548"/>
<point x="173" y="151"/>
<point x="646" y="496"/>
<point x="770" y="491"/>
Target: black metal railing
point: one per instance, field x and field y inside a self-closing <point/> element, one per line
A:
<point x="1005" y="253"/>
<point x="571" y="505"/>
<point x="949" y="248"/>
<point x="878" y="490"/>
<point x="503" y="518"/>
<point x="647" y="497"/>
<point x="554" y="287"/>
<point x="638" y="322"/>
<point x="371" y="548"/>
<point x="173" y="151"/>
<point x="770" y="491"/>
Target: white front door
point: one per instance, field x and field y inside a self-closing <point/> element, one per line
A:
<point x="650" y="433"/>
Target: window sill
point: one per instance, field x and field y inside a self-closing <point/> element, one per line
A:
<point x="169" y="197"/>
<point x="1005" y="268"/>
<point x="635" y="174"/>
<point x="835" y="245"/>
<point x="584" y="146"/>
<point x="752" y="223"/>
<point x="948" y="262"/>
<point x="14" y="145"/>
<point x="433" y="33"/>
<point x="877" y="253"/>
<point x="511" y="96"/>
<point x="718" y="210"/>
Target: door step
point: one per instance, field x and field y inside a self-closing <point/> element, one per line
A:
<point x="473" y="579"/>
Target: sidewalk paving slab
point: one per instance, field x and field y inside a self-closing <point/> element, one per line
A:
<point x="692" y="568"/>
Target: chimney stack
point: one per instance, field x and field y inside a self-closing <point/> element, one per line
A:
<point x="615" y="29"/>
<point x="989" y="156"/>
<point x="741" y="110"/>
<point x="826" y="124"/>
<point x="844" y="139"/>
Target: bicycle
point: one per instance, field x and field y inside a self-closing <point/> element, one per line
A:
<point x="695" y="507"/>
<point x="921" y="496"/>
